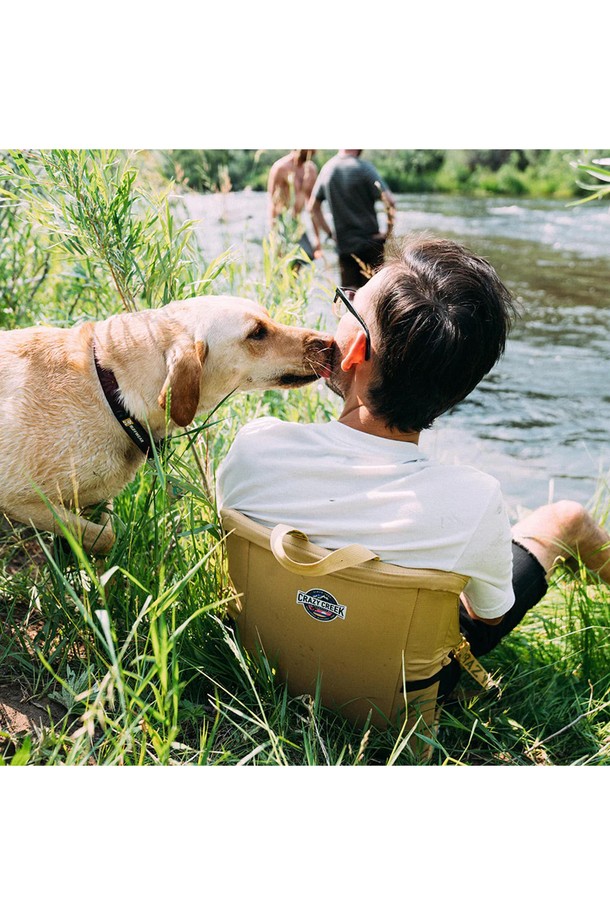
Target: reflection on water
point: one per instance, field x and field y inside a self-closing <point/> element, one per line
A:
<point x="540" y="421"/>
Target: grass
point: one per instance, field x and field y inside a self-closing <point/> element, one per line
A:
<point x="149" y="671"/>
<point x="136" y="657"/>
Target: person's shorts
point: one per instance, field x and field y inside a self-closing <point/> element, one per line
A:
<point x="306" y="246"/>
<point x="530" y="586"/>
<point x="350" y="265"/>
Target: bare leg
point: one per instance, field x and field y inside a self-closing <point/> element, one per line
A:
<point x="565" y="530"/>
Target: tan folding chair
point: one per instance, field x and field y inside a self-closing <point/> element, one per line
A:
<point x="374" y="635"/>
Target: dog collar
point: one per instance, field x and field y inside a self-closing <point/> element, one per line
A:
<point x="135" y="430"/>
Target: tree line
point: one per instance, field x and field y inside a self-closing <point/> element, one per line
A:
<point x="494" y="172"/>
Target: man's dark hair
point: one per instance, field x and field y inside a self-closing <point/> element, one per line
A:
<point x="442" y="319"/>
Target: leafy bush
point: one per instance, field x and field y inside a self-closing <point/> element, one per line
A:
<point x="221" y="169"/>
<point x="24" y="260"/>
<point x="407" y="170"/>
<point x="599" y="170"/>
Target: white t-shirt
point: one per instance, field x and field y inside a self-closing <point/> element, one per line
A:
<point x="340" y="486"/>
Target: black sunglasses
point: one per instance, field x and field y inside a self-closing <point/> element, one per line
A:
<point x="344" y="297"/>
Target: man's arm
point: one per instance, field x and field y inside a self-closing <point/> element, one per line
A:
<point x="389" y="204"/>
<point x="319" y="223"/>
<point x="488" y="559"/>
<point x="472" y="614"/>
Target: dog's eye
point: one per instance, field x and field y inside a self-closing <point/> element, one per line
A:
<point x="259" y="332"/>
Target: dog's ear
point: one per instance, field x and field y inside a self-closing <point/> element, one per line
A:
<point x="184" y="369"/>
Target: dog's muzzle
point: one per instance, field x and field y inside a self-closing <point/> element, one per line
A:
<point x="319" y="354"/>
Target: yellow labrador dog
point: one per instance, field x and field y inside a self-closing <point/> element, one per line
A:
<point x="78" y="406"/>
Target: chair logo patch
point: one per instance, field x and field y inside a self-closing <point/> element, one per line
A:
<point x="321" y="605"/>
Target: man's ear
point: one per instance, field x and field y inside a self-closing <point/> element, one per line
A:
<point x="184" y="371"/>
<point x="355" y="354"/>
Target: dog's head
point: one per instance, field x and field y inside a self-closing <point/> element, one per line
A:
<point x="221" y="344"/>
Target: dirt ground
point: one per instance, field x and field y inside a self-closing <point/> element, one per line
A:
<point x="20" y="713"/>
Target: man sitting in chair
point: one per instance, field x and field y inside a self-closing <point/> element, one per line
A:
<point x="413" y="342"/>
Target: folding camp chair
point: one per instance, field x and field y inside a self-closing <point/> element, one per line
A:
<point x="374" y="635"/>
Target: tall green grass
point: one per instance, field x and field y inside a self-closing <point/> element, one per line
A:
<point x="137" y="657"/>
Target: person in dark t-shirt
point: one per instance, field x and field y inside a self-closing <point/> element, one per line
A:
<point x="351" y="187"/>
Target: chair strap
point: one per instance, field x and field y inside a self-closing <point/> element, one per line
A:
<point x="464" y="656"/>
<point x="411" y="685"/>
<point x="467" y="660"/>
<point x="343" y="558"/>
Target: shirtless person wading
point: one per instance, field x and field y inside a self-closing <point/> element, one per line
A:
<point x="290" y="183"/>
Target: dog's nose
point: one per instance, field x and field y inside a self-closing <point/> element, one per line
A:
<point x="319" y="340"/>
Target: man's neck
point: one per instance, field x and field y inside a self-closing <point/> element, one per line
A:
<point x="358" y="416"/>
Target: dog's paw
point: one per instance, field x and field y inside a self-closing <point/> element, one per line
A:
<point x="104" y="541"/>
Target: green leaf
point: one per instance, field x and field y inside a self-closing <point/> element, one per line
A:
<point x="23" y="754"/>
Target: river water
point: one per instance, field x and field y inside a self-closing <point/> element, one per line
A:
<point x="540" y="421"/>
